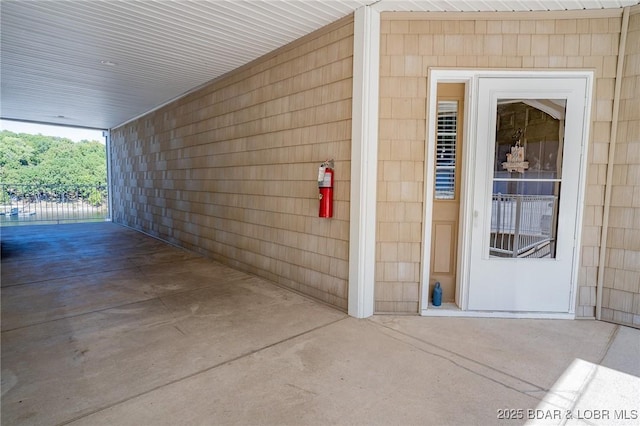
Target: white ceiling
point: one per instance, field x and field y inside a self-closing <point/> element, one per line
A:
<point x="100" y="63"/>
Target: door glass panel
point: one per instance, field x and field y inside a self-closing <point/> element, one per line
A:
<point x="446" y="138"/>
<point x="527" y="175"/>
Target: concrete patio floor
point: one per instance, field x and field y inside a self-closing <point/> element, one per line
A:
<point x="102" y="325"/>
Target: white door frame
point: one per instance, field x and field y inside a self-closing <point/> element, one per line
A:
<point x="444" y="76"/>
<point x="471" y="77"/>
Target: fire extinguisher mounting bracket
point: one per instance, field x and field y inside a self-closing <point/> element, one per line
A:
<point x="328" y="164"/>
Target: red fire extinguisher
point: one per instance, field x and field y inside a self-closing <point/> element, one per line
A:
<point x="325" y="186"/>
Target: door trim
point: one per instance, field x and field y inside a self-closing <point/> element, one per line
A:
<point x="471" y="78"/>
<point x="444" y="76"/>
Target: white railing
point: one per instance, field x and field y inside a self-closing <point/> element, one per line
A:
<point x="22" y="204"/>
<point x="522" y="225"/>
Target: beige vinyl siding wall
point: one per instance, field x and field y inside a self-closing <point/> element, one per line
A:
<point x="230" y="170"/>
<point x="410" y="45"/>
<point x="621" y="292"/>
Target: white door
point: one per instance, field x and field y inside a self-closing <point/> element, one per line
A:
<point x="526" y="190"/>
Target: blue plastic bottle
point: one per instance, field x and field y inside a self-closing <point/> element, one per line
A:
<point x="437" y="294"/>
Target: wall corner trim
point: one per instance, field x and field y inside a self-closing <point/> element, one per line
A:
<point x="611" y="161"/>
<point x="106" y="134"/>
<point x="364" y="161"/>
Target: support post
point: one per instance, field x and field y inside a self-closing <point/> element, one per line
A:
<point x="107" y="144"/>
<point x="364" y="162"/>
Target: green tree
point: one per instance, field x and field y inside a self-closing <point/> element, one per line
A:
<point x="38" y="161"/>
<point x="15" y="158"/>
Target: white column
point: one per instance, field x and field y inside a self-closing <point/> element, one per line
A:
<point x="364" y="162"/>
<point x="107" y="142"/>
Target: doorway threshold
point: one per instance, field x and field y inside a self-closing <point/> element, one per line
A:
<point x="452" y="310"/>
<point x="445" y="310"/>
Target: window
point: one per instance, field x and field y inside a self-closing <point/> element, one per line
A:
<point x="446" y="138"/>
<point x="527" y="176"/>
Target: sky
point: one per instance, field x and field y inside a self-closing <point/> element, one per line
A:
<point x="75" y="134"/>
